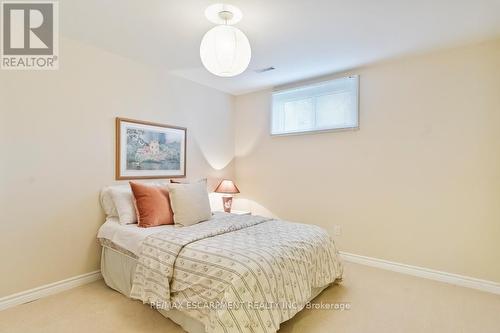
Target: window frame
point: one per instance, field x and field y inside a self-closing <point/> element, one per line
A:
<point x="320" y="130"/>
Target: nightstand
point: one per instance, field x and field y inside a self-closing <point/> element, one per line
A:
<point x="241" y="212"/>
<point x="237" y="212"/>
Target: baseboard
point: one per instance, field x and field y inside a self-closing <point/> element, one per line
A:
<point x="48" y="289"/>
<point x="459" y="280"/>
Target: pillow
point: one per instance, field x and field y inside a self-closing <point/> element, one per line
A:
<point x="124" y="204"/>
<point x="152" y="204"/>
<point x="106" y="197"/>
<point x="189" y="203"/>
<point x="107" y="202"/>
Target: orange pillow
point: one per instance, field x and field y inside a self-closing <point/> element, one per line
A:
<point x="152" y="205"/>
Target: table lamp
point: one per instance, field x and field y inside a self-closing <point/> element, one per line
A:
<point x="227" y="187"/>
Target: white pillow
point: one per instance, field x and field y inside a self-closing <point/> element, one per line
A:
<point x="107" y="202"/>
<point x="189" y="203"/>
<point x="124" y="204"/>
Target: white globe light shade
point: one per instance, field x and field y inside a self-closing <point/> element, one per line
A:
<point x="225" y="51"/>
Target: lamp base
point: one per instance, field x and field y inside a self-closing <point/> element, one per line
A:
<point x="227" y="202"/>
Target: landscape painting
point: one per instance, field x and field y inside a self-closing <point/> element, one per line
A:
<point x="149" y="150"/>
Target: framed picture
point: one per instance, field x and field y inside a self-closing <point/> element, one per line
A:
<point x="149" y="150"/>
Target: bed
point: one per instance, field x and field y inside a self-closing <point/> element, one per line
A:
<point x="232" y="273"/>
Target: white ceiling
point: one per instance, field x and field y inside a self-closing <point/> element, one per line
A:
<point x="301" y="38"/>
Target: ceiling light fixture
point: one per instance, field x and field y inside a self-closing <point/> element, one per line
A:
<point x="225" y="50"/>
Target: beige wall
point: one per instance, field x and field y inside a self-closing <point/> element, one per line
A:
<point x="419" y="183"/>
<point x="57" y="151"/>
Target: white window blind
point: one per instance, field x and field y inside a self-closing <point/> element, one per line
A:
<point x="322" y="106"/>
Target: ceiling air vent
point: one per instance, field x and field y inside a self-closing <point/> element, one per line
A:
<point x="263" y="70"/>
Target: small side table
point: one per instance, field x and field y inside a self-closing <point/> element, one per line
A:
<point x="237" y="212"/>
<point x="241" y="212"/>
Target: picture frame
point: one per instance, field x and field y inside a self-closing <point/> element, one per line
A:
<point x="148" y="150"/>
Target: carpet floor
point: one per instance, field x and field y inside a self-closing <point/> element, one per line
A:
<point x="380" y="301"/>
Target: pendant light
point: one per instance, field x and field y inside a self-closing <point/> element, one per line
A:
<point x="225" y="50"/>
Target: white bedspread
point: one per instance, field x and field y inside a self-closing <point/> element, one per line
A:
<point x="236" y="273"/>
<point x="131" y="236"/>
<point x="127" y="236"/>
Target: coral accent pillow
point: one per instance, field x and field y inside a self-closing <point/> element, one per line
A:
<point x="152" y="204"/>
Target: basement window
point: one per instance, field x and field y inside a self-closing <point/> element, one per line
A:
<point x="325" y="106"/>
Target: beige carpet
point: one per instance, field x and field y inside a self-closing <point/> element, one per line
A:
<point x="381" y="301"/>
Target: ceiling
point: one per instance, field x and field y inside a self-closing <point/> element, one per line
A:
<point x="301" y="38"/>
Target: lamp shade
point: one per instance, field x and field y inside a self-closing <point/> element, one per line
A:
<point x="225" y="51"/>
<point x="227" y="186"/>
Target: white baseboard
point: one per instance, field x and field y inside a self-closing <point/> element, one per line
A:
<point x="459" y="280"/>
<point x="48" y="289"/>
